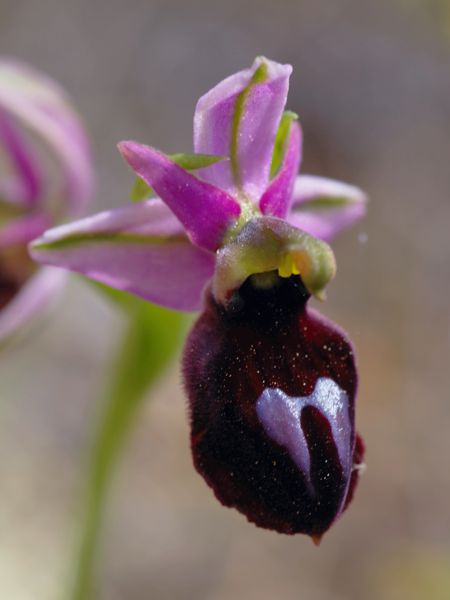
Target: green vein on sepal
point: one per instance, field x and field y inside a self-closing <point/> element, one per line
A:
<point x="259" y="76"/>
<point x="281" y="141"/>
<point x="327" y="203"/>
<point x="105" y="237"/>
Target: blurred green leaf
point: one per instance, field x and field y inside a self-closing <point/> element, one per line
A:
<point x="281" y="140"/>
<point x="412" y="573"/>
<point x="152" y="338"/>
<point x="142" y="191"/>
<point x="119" y="298"/>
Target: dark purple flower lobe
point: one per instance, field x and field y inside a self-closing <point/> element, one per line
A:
<point x="16" y="268"/>
<point x="271" y="386"/>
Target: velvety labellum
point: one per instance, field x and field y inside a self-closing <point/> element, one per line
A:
<point x="271" y="387"/>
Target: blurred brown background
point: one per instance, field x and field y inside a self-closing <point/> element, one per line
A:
<point x="372" y="87"/>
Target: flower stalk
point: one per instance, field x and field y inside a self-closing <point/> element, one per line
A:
<point x="151" y="338"/>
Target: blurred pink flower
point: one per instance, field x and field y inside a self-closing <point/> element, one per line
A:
<point x="45" y="175"/>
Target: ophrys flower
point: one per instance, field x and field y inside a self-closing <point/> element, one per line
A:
<point x="236" y="233"/>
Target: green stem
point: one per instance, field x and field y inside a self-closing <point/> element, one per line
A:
<point x="151" y="339"/>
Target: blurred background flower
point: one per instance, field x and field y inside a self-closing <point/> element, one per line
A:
<point x="373" y="95"/>
<point x="45" y="175"/>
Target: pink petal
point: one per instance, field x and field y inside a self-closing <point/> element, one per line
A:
<point x="38" y="103"/>
<point x="205" y="211"/>
<point x="24" y="184"/>
<point x="38" y="293"/>
<point x="254" y="136"/>
<point x="324" y="207"/>
<point x="277" y="198"/>
<point x="23" y="229"/>
<point x="140" y="248"/>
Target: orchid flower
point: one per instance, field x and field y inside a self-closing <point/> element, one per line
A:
<point x="45" y="175"/>
<point x="236" y="233"/>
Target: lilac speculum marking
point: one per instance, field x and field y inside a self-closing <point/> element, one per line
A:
<point x="280" y="415"/>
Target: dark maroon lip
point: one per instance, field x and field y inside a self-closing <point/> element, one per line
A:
<point x="269" y="339"/>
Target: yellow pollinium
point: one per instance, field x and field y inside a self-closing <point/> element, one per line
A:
<point x="287" y="266"/>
